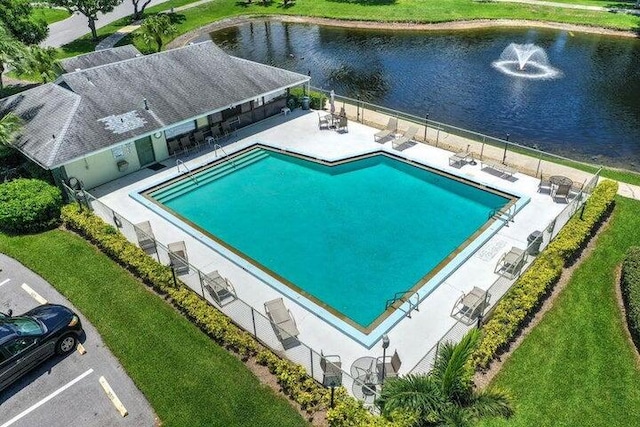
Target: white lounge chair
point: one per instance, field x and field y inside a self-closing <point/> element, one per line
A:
<point x="470" y="305"/>
<point x="331" y="366"/>
<point x="220" y="289"/>
<point x="388" y="131"/>
<point x="146" y="239"/>
<point x="406" y="137"/>
<point x="281" y="319"/>
<point x="510" y="264"/>
<point x="178" y="259"/>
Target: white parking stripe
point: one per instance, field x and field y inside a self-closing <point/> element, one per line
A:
<point x="34" y="294"/>
<point x="5" y="281"/>
<point x="46" y="399"/>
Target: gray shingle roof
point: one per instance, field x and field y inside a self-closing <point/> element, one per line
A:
<point x="101" y="57"/>
<point x="95" y="108"/>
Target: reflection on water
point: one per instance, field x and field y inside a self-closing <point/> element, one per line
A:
<point x="591" y="113"/>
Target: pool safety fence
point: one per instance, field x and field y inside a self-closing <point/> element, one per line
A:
<point x="528" y="160"/>
<point x="499" y="288"/>
<point x="241" y="313"/>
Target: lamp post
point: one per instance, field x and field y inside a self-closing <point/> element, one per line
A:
<point x="173" y="274"/>
<point x="385" y="345"/>
<point x="506" y="142"/>
<point x="358" y="107"/>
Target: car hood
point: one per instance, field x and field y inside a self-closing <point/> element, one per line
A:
<point x="53" y="316"/>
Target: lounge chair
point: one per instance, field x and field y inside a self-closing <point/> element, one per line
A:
<point x="470" y="305"/>
<point x="504" y="170"/>
<point x="281" y="319"/>
<point x="178" y="259"/>
<point x="146" y="239"/>
<point x="185" y="143"/>
<point x="331" y="366"/>
<point x="461" y="158"/>
<point x="388" y="366"/>
<point x="324" y="122"/>
<point x="510" y="263"/>
<point x="561" y="191"/>
<point x="388" y="131"/>
<point x="174" y="147"/>
<point x="220" y="289"/>
<point x="406" y="137"/>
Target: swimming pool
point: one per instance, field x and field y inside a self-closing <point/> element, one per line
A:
<point x="347" y="236"/>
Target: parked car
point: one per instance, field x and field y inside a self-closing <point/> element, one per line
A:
<point x="30" y="339"/>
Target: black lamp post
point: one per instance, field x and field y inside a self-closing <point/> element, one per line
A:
<point x="506" y="143"/>
<point x="173" y="274"/>
<point x="385" y="345"/>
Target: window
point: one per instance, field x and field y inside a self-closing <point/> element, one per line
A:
<point x="19" y="345"/>
<point x="180" y="129"/>
<point x="272" y="96"/>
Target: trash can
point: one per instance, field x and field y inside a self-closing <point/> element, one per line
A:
<point x="305" y="102"/>
<point x="534" y="241"/>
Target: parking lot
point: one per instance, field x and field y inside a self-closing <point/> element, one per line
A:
<point x="65" y="391"/>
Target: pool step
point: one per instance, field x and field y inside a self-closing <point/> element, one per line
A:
<point x="210" y="175"/>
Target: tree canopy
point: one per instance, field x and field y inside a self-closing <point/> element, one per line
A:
<point x="90" y="9"/>
<point x="156" y="29"/>
<point x="16" y="16"/>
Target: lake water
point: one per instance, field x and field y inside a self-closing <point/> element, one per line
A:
<point x="590" y="113"/>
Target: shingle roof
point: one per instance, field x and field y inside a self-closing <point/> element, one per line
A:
<point x="99" y="107"/>
<point x="101" y="57"/>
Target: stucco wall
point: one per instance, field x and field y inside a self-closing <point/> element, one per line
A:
<point x="103" y="167"/>
<point x="160" y="146"/>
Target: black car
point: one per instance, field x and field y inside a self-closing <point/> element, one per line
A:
<point x="30" y="339"/>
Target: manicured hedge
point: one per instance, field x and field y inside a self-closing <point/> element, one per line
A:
<point x="521" y="302"/>
<point x="316" y="99"/>
<point x="630" y="284"/>
<point x="29" y="206"/>
<point x="292" y="378"/>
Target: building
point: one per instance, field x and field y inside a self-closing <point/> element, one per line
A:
<point x="114" y="112"/>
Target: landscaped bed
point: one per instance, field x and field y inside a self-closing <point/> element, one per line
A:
<point x="578" y="366"/>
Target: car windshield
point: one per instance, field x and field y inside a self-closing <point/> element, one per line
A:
<point x="21" y="325"/>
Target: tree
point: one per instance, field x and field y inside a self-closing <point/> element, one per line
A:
<point x="137" y="14"/>
<point x="12" y="52"/>
<point x="445" y="396"/>
<point x="10" y="124"/>
<point x="17" y="17"/>
<point x="156" y="29"/>
<point x="90" y="9"/>
<point x="41" y="61"/>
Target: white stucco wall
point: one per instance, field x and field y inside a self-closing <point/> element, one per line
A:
<point x="160" y="146"/>
<point x="103" y="167"/>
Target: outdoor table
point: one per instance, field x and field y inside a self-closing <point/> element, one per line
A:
<point x="558" y="180"/>
<point x="365" y="373"/>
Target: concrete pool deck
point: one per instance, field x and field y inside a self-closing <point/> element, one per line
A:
<point x="298" y="132"/>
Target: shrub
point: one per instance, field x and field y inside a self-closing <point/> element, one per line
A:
<point x="519" y="304"/>
<point x="29" y="205"/>
<point x="317" y="100"/>
<point x="630" y="285"/>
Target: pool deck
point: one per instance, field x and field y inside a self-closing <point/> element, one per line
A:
<point x="298" y="131"/>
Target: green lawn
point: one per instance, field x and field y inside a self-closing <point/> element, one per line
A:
<point x="50" y="15"/>
<point x="576" y="368"/>
<point x="189" y="380"/>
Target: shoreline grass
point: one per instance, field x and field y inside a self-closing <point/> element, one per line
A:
<point x="577" y="367"/>
<point x="187" y="378"/>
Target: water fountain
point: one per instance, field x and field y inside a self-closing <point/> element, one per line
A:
<point x="527" y="61"/>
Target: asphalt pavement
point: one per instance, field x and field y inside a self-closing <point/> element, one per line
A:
<point x="65" y="390"/>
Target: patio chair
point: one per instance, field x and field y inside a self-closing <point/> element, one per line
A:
<point x="510" y="263"/>
<point x="281" y="319"/>
<point x="461" y="158"/>
<point x="388" y="131"/>
<point x="186" y="144"/>
<point x="220" y="289"/>
<point x="470" y="305"/>
<point x="343" y="124"/>
<point x="178" y="257"/>
<point x="406" y="137"/>
<point x="331" y="366"/>
<point x="324" y="122"/>
<point x="174" y="147"/>
<point x="561" y="192"/>
<point x="544" y="184"/>
<point x="390" y="365"/>
<point x="146" y="239"/>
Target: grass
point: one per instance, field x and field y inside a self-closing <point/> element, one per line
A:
<point x="188" y="379"/>
<point x="50" y="15"/>
<point x="577" y="368"/>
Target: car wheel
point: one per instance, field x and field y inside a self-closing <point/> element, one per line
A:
<point x="66" y="344"/>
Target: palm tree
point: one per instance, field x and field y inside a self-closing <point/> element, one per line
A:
<point x="41" y="61"/>
<point x="11" y="51"/>
<point x="10" y="124"/>
<point x="156" y="29"/>
<point x="446" y="396"/>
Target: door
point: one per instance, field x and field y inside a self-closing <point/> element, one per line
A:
<point x="144" y="148"/>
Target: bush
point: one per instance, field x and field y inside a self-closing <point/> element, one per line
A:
<point x="521" y="302"/>
<point x="29" y="206"/>
<point x="630" y="285"/>
<point x="317" y="100"/>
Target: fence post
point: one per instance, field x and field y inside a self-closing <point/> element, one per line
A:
<point x="539" y="163"/>
<point x="311" y="353"/>
<point x="253" y="320"/>
<point x="201" y="285"/>
<point x="426" y="123"/>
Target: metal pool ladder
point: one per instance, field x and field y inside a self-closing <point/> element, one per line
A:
<point x="226" y="156"/>
<point x="187" y="170"/>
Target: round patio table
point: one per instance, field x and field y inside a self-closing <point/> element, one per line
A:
<point x="560" y="180"/>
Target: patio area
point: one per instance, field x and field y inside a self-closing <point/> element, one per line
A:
<point x="412" y="337"/>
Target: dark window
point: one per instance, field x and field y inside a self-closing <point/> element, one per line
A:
<point x="19" y="345"/>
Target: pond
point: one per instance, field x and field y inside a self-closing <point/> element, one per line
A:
<point x="589" y="111"/>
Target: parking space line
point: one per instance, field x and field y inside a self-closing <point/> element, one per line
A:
<point x="46" y="399"/>
<point x="34" y="294"/>
<point x="5" y="281"/>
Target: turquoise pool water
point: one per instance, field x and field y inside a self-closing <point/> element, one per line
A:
<point x="348" y="236"/>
